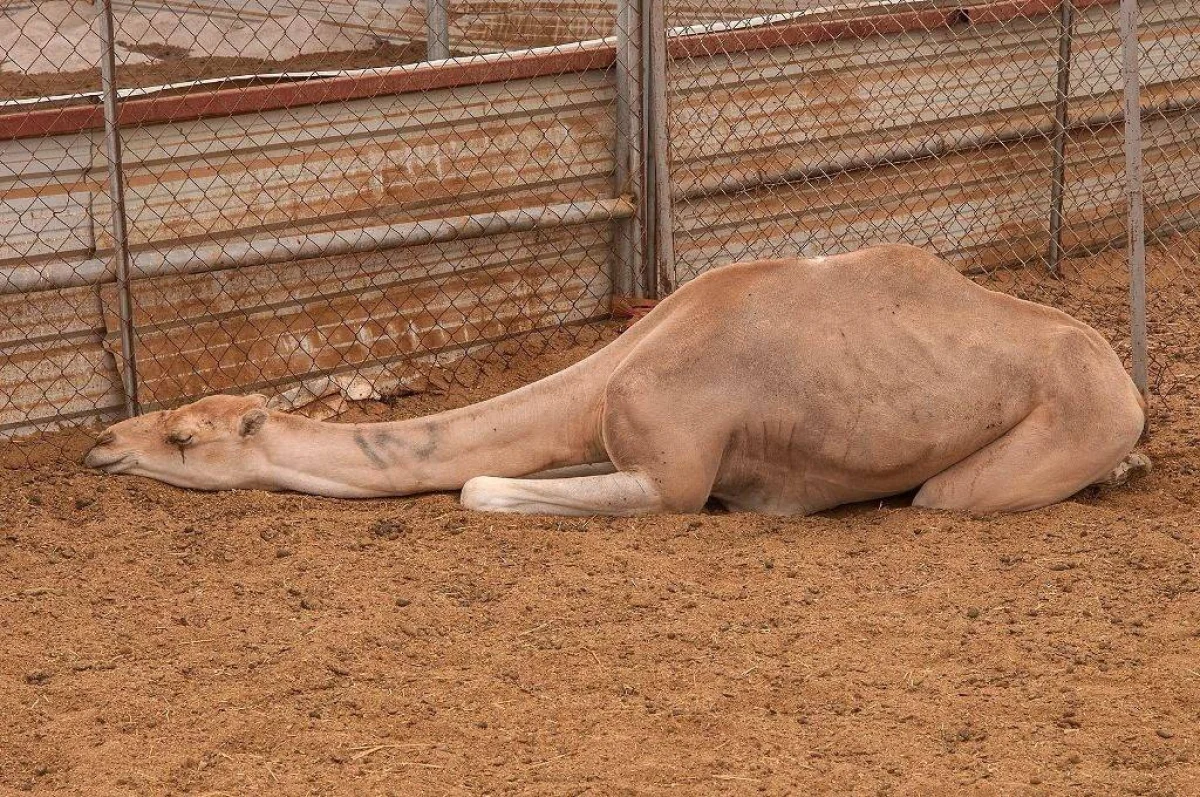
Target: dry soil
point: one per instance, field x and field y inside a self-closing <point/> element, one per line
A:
<point x="159" y="641"/>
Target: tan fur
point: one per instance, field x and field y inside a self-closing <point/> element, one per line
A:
<point x="785" y="386"/>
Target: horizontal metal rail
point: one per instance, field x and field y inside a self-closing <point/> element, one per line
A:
<point x="243" y="253"/>
<point x="935" y="146"/>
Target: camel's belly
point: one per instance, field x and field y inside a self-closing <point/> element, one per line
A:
<point x="780" y="468"/>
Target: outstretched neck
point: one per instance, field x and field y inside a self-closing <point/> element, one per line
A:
<point x="501" y="437"/>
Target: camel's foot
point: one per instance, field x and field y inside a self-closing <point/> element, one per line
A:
<point x="1132" y="465"/>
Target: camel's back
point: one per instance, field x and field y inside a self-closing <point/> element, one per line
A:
<point x="888" y="341"/>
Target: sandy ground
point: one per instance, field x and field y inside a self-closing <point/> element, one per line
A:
<point x="64" y="36"/>
<point x="159" y="641"/>
<point x="172" y="69"/>
<point x="53" y="47"/>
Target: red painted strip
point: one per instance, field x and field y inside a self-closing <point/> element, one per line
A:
<point x="226" y="102"/>
<point x="252" y="99"/>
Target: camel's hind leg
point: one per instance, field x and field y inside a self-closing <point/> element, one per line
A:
<point x="619" y="493"/>
<point x="1038" y="462"/>
<point x="1132" y="465"/>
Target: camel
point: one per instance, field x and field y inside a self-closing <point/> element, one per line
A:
<point x="776" y="386"/>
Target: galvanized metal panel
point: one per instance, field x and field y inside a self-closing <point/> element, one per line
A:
<point x="979" y="210"/>
<point x="766" y="115"/>
<point x="406" y="157"/>
<point x="53" y="369"/>
<point x="269" y="328"/>
<point x="46" y="188"/>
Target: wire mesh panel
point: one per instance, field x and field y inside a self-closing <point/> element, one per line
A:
<point x="1169" y="35"/>
<point x="988" y="132"/>
<point x="54" y="371"/>
<point x="345" y="234"/>
<point x="329" y="201"/>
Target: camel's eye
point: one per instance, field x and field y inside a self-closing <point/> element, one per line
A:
<point x="179" y="438"/>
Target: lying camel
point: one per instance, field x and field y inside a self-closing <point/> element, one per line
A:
<point x="780" y="386"/>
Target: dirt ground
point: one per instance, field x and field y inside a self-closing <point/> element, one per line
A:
<point x="159" y="641"/>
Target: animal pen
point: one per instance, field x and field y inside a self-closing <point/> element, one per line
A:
<point x="173" y="226"/>
<point x="373" y="210"/>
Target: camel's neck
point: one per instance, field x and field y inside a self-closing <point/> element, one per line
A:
<point x="542" y="426"/>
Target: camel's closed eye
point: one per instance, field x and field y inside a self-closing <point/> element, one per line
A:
<point x="179" y="438"/>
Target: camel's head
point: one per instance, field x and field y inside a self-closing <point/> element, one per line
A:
<point x="205" y="445"/>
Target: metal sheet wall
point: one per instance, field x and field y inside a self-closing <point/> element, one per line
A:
<point x="939" y="138"/>
<point x="420" y="155"/>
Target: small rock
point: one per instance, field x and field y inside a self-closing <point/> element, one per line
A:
<point x="336" y="670"/>
<point x="973" y="612"/>
<point x="1163" y="733"/>
<point x="308" y="603"/>
<point x="37" y="677"/>
<point x="283" y="553"/>
<point x="35" y="499"/>
<point x="402" y="602"/>
<point x="83" y="502"/>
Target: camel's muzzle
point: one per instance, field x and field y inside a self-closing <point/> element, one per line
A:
<point x="107" y="461"/>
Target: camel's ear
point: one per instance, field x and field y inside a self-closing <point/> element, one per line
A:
<point x="259" y="399"/>
<point x="252" y="422"/>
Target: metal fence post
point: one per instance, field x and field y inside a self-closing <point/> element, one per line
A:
<point x="437" y="29"/>
<point x="116" y="189"/>
<point x="628" y="277"/>
<point x="662" y="273"/>
<point x="1066" y="25"/>
<point x="1131" y="76"/>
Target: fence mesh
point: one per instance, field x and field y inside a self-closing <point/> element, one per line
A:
<point x="317" y="212"/>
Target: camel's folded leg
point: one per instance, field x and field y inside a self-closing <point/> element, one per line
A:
<point x="618" y="493"/>
<point x="574" y="471"/>
<point x="1036" y="463"/>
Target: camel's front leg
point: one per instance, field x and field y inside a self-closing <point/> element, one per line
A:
<point x="617" y="493"/>
<point x="574" y="471"/>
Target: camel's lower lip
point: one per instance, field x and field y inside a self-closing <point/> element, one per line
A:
<point x="108" y="464"/>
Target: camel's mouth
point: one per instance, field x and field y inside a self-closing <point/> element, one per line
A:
<point x="108" y="461"/>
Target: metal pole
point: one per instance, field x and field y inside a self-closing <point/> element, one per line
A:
<point x="630" y="176"/>
<point x="1066" y="25"/>
<point x="437" y="29"/>
<point x="247" y="252"/>
<point x="663" y="243"/>
<point x="116" y="190"/>
<point x="1133" y="182"/>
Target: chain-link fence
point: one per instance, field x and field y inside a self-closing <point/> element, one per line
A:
<point x="292" y="198"/>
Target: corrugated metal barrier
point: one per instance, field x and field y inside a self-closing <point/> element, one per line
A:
<point x="361" y="231"/>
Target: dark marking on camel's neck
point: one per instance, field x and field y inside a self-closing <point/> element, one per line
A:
<point x="425" y="450"/>
<point x="368" y="449"/>
<point x="385" y="447"/>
